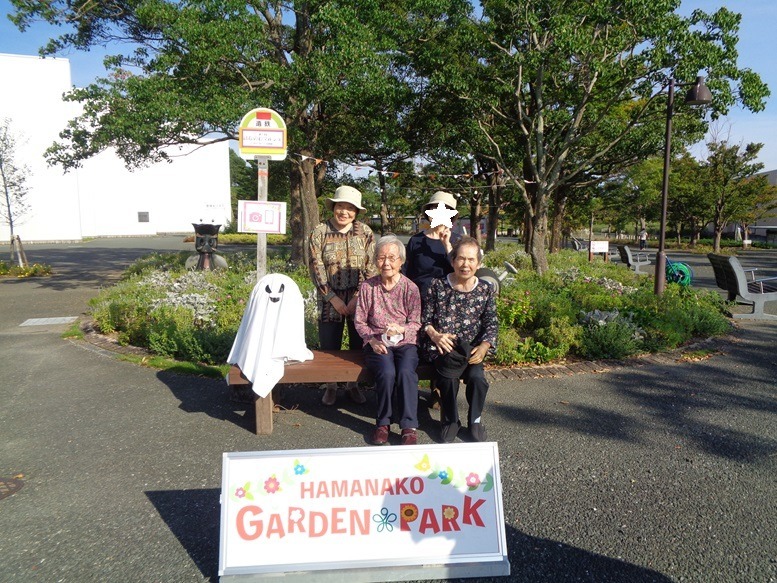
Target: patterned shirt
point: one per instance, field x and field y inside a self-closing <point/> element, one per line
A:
<point x="471" y="315"/>
<point x="339" y="262"/>
<point x="378" y="307"/>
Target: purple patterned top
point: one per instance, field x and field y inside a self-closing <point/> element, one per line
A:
<point x="470" y="315"/>
<point x="378" y="307"/>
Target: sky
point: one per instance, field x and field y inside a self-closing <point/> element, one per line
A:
<point x="757" y="46"/>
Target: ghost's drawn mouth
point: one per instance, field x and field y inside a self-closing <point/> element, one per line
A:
<point x="269" y="293"/>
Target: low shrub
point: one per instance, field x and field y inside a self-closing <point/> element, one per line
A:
<point x="609" y="335"/>
<point x="34" y="270"/>
<point x="194" y="315"/>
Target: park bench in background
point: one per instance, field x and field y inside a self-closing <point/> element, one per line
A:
<point x="731" y="276"/>
<point x="327" y="366"/>
<point x="633" y="260"/>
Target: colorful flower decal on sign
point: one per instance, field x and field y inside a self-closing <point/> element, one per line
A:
<point x="242" y="492"/>
<point x="424" y="464"/>
<point x="458" y="479"/>
<point x="409" y="512"/>
<point x="272" y="485"/>
<point x="385" y="520"/>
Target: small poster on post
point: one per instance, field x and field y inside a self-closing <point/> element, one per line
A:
<point x="254" y="216"/>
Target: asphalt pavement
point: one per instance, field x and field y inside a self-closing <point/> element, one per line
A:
<point x="656" y="470"/>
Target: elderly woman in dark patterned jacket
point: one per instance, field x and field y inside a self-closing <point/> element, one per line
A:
<point x="460" y="328"/>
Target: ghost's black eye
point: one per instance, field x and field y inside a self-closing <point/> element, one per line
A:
<point x="267" y="289"/>
<point x="280" y="291"/>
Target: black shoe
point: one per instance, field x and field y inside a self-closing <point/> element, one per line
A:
<point x="448" y="432"/>
<point x="478" y="432"/>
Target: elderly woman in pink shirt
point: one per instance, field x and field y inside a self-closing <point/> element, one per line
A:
<point x="388" y="318"/>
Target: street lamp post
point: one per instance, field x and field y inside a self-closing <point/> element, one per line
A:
<point x="698" y="94"/>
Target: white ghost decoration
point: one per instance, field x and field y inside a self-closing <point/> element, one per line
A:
<point x="271" y="333"/>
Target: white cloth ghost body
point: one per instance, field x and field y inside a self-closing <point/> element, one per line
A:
<point x="271" y="332"/>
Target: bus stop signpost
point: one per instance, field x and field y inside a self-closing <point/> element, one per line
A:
<point x="262" y="137"/>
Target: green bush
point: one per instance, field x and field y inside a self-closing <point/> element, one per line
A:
<point x="34" y="270"/>
<point x="613" y="336"/>
<point x="194" y="315"/>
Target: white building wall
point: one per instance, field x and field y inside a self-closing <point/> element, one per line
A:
<point x="102" y="198"/>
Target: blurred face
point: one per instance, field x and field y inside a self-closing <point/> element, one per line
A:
<point x="466" y="262"/>
<point x="343" y="214"/>
<point x="389" y="262"/>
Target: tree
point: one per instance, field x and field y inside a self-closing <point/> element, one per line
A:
<point x="14" y="179"/>
<point x="567" y="87"/>
<point x="192" y="70"/>
<point x="690" y="204"/>
<point x="730" y="178"/>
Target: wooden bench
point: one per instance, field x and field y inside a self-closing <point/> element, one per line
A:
<point x="327" y="366"/>
<point x="731" y="276"/>
<point x="632" y="260"/>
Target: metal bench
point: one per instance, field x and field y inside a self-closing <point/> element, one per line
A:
<point x="633" y="260"/>
<point x="731" y="276"/>
<point x="327" y="366"/>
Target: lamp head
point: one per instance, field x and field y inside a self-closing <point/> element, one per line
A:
<point x="699" y="93"/>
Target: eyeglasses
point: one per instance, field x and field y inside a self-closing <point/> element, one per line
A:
<point x="389" y="258"/>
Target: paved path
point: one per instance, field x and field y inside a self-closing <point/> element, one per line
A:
<point x="652" y="473"/>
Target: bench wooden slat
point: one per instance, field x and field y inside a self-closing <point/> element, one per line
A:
<point x="327" y="366"/>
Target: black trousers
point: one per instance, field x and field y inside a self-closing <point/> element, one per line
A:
<point x="476" y="389"/>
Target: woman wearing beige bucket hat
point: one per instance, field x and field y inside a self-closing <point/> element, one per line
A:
<point x="341" y="251"/>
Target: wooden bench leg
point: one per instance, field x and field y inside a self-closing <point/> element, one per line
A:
<point x="264" y="407"/>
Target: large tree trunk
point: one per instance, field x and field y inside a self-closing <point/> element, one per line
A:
<point x="304" y="207"/>
<point x="475" y="215"/>
<point x="716" y="242"/>
<point x="539" y="228"/>
<point x="560" y="199"/>
<point x="539" y="258"/>
<point x="384" y="216"/>
<point x="494" y="201"/>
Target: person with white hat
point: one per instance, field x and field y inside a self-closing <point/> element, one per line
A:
<point x="427" y="250"/>
<point x="427" y="258"/>
<point x="341" y="251"/>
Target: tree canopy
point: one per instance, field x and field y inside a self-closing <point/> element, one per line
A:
<point x="549" y="96"/>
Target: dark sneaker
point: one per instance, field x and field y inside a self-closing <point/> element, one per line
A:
<point x="330" y="395"/>
<point x="409" y="437"/>
<point x="380" y="435"/>
<point x="356" y="395"/>
<point x="478" y="432"/>
<point x="448" y="432"/>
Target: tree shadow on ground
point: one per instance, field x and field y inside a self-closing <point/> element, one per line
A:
<point x="193" y="516"/>
<point x="359" y="418"/>
<point x="683" y="399"/>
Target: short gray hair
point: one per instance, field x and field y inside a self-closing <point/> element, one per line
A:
<point x="387" y="240"/>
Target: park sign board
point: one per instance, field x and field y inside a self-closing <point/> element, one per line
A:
<point x="262" y="134"/>
<point x="261" y="216"/>
<point x="363" y="514"/>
